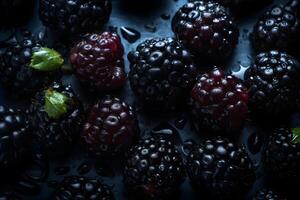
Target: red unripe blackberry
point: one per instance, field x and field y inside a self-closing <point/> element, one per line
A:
<point x="98" y="61"/>
<point x="111" y="127"/>
<point x="218" y="102"/>
<point x="207" y="29"/>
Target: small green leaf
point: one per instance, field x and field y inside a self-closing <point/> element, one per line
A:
<point x="45" y="59"/>
<point x="296" y="135"/>
<point x="55" y="103"/>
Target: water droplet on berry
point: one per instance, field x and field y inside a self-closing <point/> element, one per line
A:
<point x="130" y="34"/>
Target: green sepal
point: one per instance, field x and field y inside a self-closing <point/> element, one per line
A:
<point x="55" y="103"/>
<point x="296" y="135"/>
<point x="45" y="59"/>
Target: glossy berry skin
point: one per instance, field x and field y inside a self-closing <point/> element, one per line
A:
<point x="220" y="168"/>
<point x="265" y="194"/>
<point x="161" y="74"/>
<point x="74" y="16"/>
<point x="273" y="81"/>
<point x="277" y="29"/>
<point x="111" y="127"/>
<point x="98" y="61"/>
<point x="282" y="157"/>
<point x="219" y="102"/>
<point x="56" y="135"/>
<point x="79" y="187"/>
<point x="15" y="138"/>
<point x="207" y="29"/>
<point x="15" y="73"/>
<point x="154" y="169"/>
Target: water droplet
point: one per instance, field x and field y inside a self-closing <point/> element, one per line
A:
<point x="165" y="16"/>
<point x="37" y="171"/>
<point x="27" y="187"/>
<point x="84" y="168"/>
<point x="167" y="130"/>
<point x="130" y="34"/>
<point x="53" y="183"/>
<point x="62" y="170"/>
<point x="240" y="73"/>
<point x="255" y="142"/>
<point x="180" y="122"/>
<point x="187" y="146"/>
<point x="150" y="27"/>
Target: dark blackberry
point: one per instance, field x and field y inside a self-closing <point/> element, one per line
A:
<point x="154" y="169"/>
<point x="79" y="187"/>
<point x="282" y="157"/>
<point x="293" y="6"/>
<point x="265" y="194"/>
<point x="15" y="12"/>
<point x="111" y="127"/>
<point x="277" y="29"/>
<point x="219" y="102"/>
<point x="56" y="115"/>
<point x="15" y="137"/>
<point x="9" y="196"/>
<point x="98" y="61"/>
<point x="274" y="82"/>
<point x="207" y="29"/>
<point x="75" y="16"/>
<point x="26" y="66"/>
<point x="161" y="74"/>
<point x="220" y="168"/>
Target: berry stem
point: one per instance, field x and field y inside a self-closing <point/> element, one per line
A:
<point x="45" y="59"/>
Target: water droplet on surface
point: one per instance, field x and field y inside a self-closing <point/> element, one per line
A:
<point x="180" y="122"/>
<point x="165" y="16"/>
<point x="150" y="27"/>
<point x="130" y="34"/>
<point x="240" y="73"/>
<point x="255" y="142"/>
<point x="84" y="168"/>
<point x="62" y="170"/>
<point x="53" y="183"/>
<point x="27" y="187"/>
<point x="167" y="130"/>
<point x="37" y="171"/>
<point x="187" y="146"/>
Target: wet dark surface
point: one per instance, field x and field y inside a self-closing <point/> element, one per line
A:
<point x="134" y="24"/>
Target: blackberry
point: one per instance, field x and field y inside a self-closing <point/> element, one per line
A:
<point x="265" y="194"/>
<point x="219" y="102"/>
<point x="161" y="74"/>
<point x="277" y="29"/>
<point x="220" y="168"/>
<point x="293" y="6"/>
<point x="111" y="127"/>
<point x="75" y="16"/>
<point x="15" y="137"/>
<point x="79" y="187"/>
<point x="56" y="115"/>
<point x="98" y="61"/>
<point x="274" y="82"/>
<point x="9" y="196"/>
<point x="26" y="66"/>
<point x="154" y="169"/>
<point x="207" y="29"/>
<point x="282" y="156"/>
<point x="9" y="8"/>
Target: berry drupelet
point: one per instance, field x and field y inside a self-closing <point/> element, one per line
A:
<point x="111" y="127"/>
<point x="207" y="29"/>
<point x="219" y="102"/>
<point x="98" y="61"/>
<point x="220" y="168"/>
<point x="15" y="12"/>
<point x="26" y="66"/>
<point x="75" y="16"/>
<point x="161" y="74"/>
<point x="56" y="115"/>
<point x="79" y="187"/>
<point x="277" y="29"/>
<point x="15" y="138"/>
<point x="266" y="194"/>
<point x="282" y="156"/>
<point x="154" y="169"/>
<point x="273" y="81"/>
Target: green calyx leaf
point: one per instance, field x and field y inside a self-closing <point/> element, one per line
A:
<point x="55" y="103"/>
<point x="45" y="59"/>
<point x="296" y="135"/>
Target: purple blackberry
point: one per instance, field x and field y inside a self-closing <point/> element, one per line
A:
<point x="26" y="66"/>
<point x="56" y="115"/>
<point x="282" y="156"/>
<point x="154" y="169"/>
<point x="219" y="102"/>
<point x="265" y="194"/>
<point x="15" y="138"/>
<point x="161" y="74"/>
<point x="98" y="61"/>
<point x="79" y="187"/>
<point x="207" y="29"/>
<point x="111" y="127"/>
<point x="220" y="168"/>
<point x="277" y="29"/>
<point x="273" y="81"/>
<point x="74" y="16"/>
